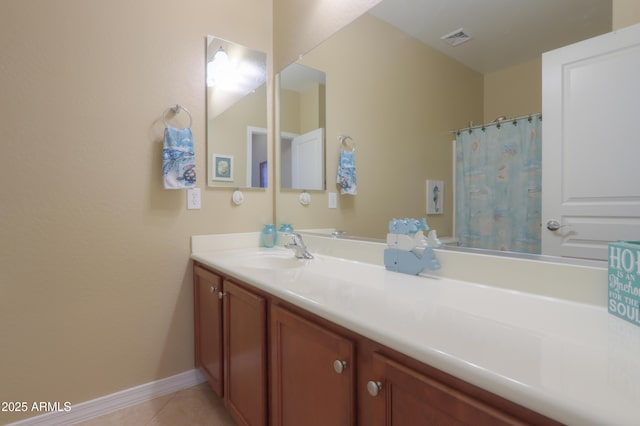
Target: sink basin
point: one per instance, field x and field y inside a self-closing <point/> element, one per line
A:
<point x="272" y="260"/>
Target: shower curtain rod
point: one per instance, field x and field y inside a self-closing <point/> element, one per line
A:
<point x="495" y="123"/>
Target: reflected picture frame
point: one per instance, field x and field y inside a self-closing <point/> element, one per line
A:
<point x="222" y="167"/>
<point x="435" y="196"/>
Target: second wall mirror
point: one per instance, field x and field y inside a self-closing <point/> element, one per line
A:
<point x="236" y="115"/>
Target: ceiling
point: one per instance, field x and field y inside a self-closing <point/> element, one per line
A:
<point x="503" y="32"/>
<point x="298" y="77"/>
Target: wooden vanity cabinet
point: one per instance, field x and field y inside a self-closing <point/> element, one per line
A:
<point x="231" y="344"/>
<point x="320" y="373"/>
<point x="377" y="386"/>
<point x="208" y="327"/>
<point x="312" y="373"/>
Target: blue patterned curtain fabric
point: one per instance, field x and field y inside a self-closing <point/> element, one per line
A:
<point x="498" y="186"/>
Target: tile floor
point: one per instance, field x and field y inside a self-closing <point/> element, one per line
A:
<point x="196" y="406"/>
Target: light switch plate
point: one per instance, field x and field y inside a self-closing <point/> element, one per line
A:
<point x="333" y="200"/>
<point x="193" y="198"/>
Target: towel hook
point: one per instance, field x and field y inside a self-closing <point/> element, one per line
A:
<point x="343" y="138"/>
<point x="176" y="110"/>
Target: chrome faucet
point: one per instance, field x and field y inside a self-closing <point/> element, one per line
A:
<point x="298" y="245"/>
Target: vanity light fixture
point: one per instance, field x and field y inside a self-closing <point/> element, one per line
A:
<point x="219" y="68"/>
<point x="234" y="72"/>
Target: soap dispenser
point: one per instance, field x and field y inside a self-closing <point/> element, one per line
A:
<point x="286" y="227"/>
<point x="269" y="235"/>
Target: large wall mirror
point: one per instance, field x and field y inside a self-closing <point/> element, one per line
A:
<point x="399" y="98"/>
<point x="236" y="115"/>
<point x="302" y="128"/>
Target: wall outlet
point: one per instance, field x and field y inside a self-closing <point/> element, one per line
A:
<point x="193" y="198"/>
<point x="333" y="200"/>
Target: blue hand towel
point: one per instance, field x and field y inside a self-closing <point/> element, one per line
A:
<point x="178" y="160"/>
<point x="347" y="172"/>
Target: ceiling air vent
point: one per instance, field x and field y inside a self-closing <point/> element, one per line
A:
<point x="456" y="37"/>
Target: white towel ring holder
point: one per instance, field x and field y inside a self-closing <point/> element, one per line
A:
<point x="343" y="141"/>
<point x="176" y="110"/>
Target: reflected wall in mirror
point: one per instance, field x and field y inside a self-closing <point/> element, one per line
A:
<point x="302" y="128"/>
<point x="236" y="115"/>
<point x="400" y="98"/>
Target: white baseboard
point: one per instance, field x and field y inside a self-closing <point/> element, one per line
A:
<point x="116" y="401"/>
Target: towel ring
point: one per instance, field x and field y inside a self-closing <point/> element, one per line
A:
<point x="343" y="141"/>
<point x="176" y="110"/>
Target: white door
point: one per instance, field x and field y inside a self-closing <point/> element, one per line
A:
<point x="591" y="145"/>
<point x="307" y="160"/>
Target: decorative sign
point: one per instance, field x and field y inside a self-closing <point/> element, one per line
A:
<point x="624" y="280"/>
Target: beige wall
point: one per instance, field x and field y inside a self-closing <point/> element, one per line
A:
<point x="625" y="13"/>
<point x="302" y="111"/>
<point x="517" y="90"/>
<point x="312" y="108"/>
<point x="514" y="91"/>
<point x="299" y="26"/>
<point x="290" y="111"/>
<point x="95" y="280"/>
<point x="227" y="134"/>
<point x="400" y="117"/>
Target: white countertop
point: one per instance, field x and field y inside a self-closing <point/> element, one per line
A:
<point x="570" y="361"/>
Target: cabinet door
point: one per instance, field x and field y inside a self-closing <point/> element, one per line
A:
<point x="312" y="373"/>
<point x="405" y="397"/>
<point x="208" y="326"/>
<point x="245" y="343"/>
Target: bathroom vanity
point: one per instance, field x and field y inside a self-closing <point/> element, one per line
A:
<point x="338" y="341"/>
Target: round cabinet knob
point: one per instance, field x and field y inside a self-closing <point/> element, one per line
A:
<point x="220" y="295"/>
<point x="374" y="388"/>
<point x="339" y="366"/>
<point x="213" y="289"/>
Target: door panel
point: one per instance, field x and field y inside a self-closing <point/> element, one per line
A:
<point x="307" y="160"/>
<point x="589" y="153"/>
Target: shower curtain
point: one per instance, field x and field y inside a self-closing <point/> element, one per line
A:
<point x="498" y="186"/>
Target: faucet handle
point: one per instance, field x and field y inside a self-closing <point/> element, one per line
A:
<point x="298" y="245"/>
<point x="296" y="239"/>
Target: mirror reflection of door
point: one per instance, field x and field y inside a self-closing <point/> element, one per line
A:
<point x="307" y="160"/>
<point x="257" y="157"/>
<point x="302" y="125"/>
